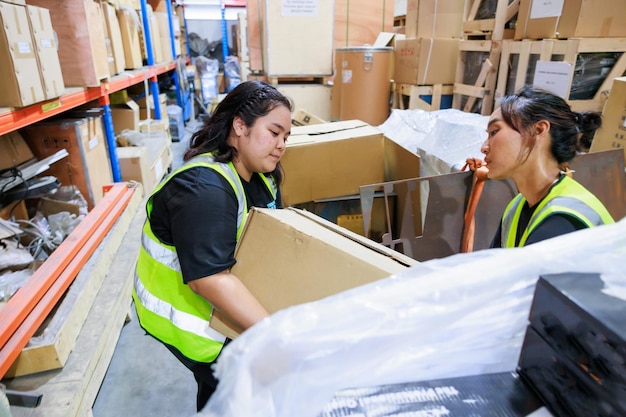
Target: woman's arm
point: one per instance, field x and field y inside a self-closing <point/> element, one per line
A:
<point x="230" y="296"/>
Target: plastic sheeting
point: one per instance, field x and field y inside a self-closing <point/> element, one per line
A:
<point x="444" y="139"/>
<point x="456" y="316"/>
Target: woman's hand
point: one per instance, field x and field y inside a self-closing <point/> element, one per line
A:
<point x="478" y="166"/>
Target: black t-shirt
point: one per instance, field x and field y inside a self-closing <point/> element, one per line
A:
<point x="554" y="225"/>
<point x="196" y="212"/>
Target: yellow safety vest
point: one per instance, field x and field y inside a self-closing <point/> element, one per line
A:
<point x="566" y="197"/>
<point x="166" y="307"/>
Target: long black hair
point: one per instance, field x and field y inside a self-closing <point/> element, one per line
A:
<point x="571" y="131"/>
<point x="249" y="101"/>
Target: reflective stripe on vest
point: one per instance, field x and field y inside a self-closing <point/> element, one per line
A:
<point x="166" y="307"/>
<point x="566" y="197"/>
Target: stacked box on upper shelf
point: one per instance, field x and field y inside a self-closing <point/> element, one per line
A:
<point x="79" y="26"/>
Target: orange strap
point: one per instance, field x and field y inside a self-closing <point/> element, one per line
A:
<point x="467" y="240"/>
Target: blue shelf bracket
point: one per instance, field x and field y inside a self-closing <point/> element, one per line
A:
<point x="107" y="119"/>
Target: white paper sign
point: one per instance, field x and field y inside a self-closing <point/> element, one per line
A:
<point x="300" y="7"/>
<point x="553" y="76"/>
<point x="546" y="8"/>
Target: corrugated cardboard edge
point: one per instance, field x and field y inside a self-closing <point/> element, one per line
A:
<point x="219" y="321"/>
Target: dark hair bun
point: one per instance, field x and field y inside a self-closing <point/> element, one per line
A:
<point x="588" y="123"/>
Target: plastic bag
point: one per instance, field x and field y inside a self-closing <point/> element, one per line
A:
<point x="461" y="315"/>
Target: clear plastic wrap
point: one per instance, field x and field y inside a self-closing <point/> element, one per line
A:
<point x="442" y="138"/>
<point x="461" y="315"/>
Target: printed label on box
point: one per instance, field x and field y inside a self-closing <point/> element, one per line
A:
<point x="546" y="8"/>
<point x="300" y="7"/>
<point x="93" y="142"/>
<point x="23" y="47"/>
<point x="553" y="76"/>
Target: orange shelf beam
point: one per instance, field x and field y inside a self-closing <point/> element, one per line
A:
<point x="21" y="117"/>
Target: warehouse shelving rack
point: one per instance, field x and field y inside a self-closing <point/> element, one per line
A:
<point x="18" y="118"/>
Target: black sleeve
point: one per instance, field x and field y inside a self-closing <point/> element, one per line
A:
<point x="196" y="212"/>
<point x="497" y="238"/>
<point x="554" y="225"/>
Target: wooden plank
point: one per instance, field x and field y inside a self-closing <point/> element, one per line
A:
<point x="493" y="28"/>
<point x="484" y="86"/>
<point x="415" y="92"/>
<point x="52" y="346"/>
<point x="71" y="391"/>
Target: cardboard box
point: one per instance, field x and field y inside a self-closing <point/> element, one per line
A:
<point x="314" y="98"/>
<point x="129" y="28"/>
<point x="298" y="39"/>
<point x="146" y="164"/>
<point x="334" y="159"/>
<point x="612" y="133"/>
<point x="426" y="61"/>
<point x="125" y="116"/>
<point x="13" y="150"/>
<point x="115" y="36"/>
<point x="87" y="165"/>
<point x="164" y="31"/>
<point x="19" y="72"/>
<point x="347" y="212"/>
<point x="326" y="260"/>
<point x="539" y="19"/>
<point x="82" y="48"/>
<point x="47" y="55"/>
<point x="434" y="19"/>
<point x="301" y="117"/>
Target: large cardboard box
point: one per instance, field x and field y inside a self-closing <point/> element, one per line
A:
<point x="19" y="72"/>
<point x="612" y="133"/>
<point x="334" y="159"/>
<point x="13" y="150"/>
<point x="87" y="165"/>
<point x="82" y="48"/>
<point x="426" y="61"/>
<point x="290" y="256"/>
<point x="538" y="19"/>
<point x="115" y="36"/>
<point x="298" y="38"/>
<point x="434" y="19"/>
<point x="47" y="55"/>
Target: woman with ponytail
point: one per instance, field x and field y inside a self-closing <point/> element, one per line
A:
<point x="531" y="138"/>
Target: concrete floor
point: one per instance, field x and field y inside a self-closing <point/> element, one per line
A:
<point x="144" y="378"/>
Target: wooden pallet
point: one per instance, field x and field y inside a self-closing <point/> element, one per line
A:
<point x="408" y="96"/>
<point x="474" y="88"/>
<point x="518" y="60"/>
<point x="492" y="28"/>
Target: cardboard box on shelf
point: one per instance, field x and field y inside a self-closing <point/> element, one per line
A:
<point x="13" y="150"/>
<point x="334" y="159"/>
<point x="115" y="36"/>
<point x="129" y="28"/>
<point x="426" y="61"/>
<point x="576" y="18"/>
<point x="328" y="259"/>
<point x="79" y="26"/>
<point x="19" y="72"/>
<point x="125" y="116"/>
<point x="47" y="56"/>
<point x="612" y="133"/>
<point x="87" y="166"/>
<point x="146" y="164"/>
